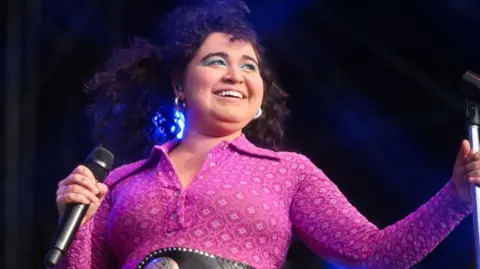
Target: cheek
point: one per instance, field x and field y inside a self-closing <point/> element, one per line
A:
<point x="205" y="77"/>
<point x="257" y="88"/>
<point x="200" y="82"/>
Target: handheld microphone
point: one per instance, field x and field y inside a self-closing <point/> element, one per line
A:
<point x="100" y="162"/>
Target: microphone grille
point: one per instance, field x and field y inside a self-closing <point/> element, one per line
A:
<point x="102" y="157"/>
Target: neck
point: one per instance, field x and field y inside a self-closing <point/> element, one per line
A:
<point x="199" y="144"/>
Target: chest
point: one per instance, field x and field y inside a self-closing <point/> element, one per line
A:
<point x="243" y="199"/>
<point x="186" y="167"/>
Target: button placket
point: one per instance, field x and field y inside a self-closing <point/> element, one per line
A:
<point x="176" y="217"/>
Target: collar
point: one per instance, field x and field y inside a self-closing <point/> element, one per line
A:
<point x="241" y="144"/>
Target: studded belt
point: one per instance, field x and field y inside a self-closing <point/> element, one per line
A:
<point x="187" y="258"/>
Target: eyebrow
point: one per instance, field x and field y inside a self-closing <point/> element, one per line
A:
<point x="224" y="55"/>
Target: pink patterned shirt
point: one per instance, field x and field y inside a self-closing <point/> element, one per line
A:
<point x="244" y="204"/>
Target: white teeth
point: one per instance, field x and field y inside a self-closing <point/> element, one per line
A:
<point x="230" y="93"/>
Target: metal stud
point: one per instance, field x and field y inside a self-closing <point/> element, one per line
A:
<point x="157" y="253"/>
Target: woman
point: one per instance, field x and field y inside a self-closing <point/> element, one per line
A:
<point x="214" y="191"/>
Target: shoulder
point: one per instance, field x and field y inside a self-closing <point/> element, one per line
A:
<point x="301" y="167"/>
<point x="242" y="144"/>
<point x="124" y="171"/>
<point x="296" y="160"/>
<point x="291" y="159"/>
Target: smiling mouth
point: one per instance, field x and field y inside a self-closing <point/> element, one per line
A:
<point x="230" y="94"/>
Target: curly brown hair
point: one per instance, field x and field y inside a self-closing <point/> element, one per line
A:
<point x="133" y="108"/>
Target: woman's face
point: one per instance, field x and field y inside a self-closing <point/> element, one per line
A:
<point x="222" y="86"/>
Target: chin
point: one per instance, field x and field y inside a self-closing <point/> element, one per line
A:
<point x="229" y="118"/>
<point x="227" y="126"/>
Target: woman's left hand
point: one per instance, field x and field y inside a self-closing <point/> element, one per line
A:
<point x="466" y="171"/>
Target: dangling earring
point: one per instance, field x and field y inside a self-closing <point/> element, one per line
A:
<point x="179" y="105"/>
<point x="259" y="113"/>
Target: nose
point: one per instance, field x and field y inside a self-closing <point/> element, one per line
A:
<point x="233" y="75"/>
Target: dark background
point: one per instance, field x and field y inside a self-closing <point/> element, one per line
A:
<point x="373" y="87"/>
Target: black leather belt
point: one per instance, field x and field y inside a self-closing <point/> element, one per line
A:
<point x="187" y="258"/>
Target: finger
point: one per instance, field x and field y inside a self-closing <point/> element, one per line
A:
<point x="470" y="167"/>
<point x="72" y="198"/>
<point x="77" y="189"/>
<point x="462" y="152"/>
<point x="84" y="171"/>
<point x="103" y="189"/>
<point x="473" y="157"/>
<point x="473" y="174"/>
<point x="474" y="180"/>
<point x="79" y="180"/>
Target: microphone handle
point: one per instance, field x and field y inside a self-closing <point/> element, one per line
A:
<point x="71" y="220"/>
<point x="67" y="227"/>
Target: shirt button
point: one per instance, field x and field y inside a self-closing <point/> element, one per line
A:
<point x="177" y="193"/>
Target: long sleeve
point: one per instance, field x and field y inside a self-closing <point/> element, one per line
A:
<point x="328" y="224"/>
<point x="89" y="248"/>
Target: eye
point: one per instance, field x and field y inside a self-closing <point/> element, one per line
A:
<point x="215" y="61"/>
<point x="251" y="67"/>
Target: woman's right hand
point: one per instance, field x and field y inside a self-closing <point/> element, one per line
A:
<point x="80" y="187"/>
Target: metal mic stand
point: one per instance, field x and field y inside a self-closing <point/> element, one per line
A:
<point x="473" y="121"/>
<point x="470" y="87"/>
